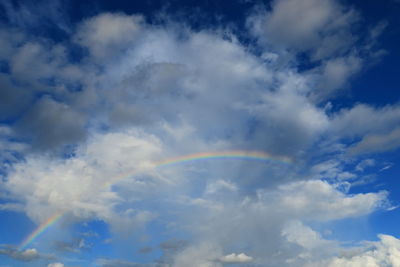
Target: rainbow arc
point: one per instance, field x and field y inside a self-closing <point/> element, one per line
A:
<point x="231" y="155"/>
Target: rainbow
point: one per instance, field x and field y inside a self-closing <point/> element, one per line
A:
<point x="235" y="155"/>
<point x="40" y="230"/>
<point x="204" y="156"/>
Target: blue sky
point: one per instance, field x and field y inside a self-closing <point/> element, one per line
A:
<point x="292" y="104"/>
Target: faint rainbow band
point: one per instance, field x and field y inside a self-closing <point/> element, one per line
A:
<point x="236" y="154"/>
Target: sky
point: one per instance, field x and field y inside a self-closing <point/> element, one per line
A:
<point x="199" y="133"/>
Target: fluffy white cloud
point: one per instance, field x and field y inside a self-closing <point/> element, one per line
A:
<point x="56" y="264"/>
<point x="383" y="253"/>
<point x="82" y="184"/>
<point x="236" y="258"/>
<point x="319" y="200"/>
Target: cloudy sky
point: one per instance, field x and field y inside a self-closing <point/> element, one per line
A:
<point x="199" y="133"/>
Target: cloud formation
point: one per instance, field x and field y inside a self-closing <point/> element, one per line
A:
<point x="82" y="136"/>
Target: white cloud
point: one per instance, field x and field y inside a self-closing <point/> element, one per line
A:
<point x="296" y="232"/>
<point x="383" y="253"/>
<point x="82" y="184"/>
<point x="321" y="201"/>
<point x="55" y="264"/>
<point x="236" y="258"/>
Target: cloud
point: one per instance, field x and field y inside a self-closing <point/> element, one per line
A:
<point x="145" y="93"/>
<point x="236" y="258"/>
<point x="365" y="164"/>
<point x="264" y="222"/>
<point x="320" y="32"/>
<point x="107" y="33"/>
<point x="319" y="200"/>
<point x="52" y="124"/>
<point x="205" y="254"/>
<point x="377" y="143"/>
<point x="374" y="129"/>
<point x="322" y="27"/>
<point x="310" y="243"/>
<point x="27" y="255"/>
<point x="83" y="182"/>
<point x="75" y="246"/>
<point x="11" y="206"/>
<point x="385" y="252"/>
<point x="55" y="264"/>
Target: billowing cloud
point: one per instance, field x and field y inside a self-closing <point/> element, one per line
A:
<point x="385" y="252"/>
<point x="85" y="137"/>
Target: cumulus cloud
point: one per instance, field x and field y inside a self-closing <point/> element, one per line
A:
<point x="329" y="203"/>
<point x="385" y="252"/>
<point x="144" y="94"/>
<point x="83" y="183"/>
<point x="236" y="258"/>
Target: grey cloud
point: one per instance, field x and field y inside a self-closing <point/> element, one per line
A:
<point x="106" y="34"/>
<point x="13" y="99"/>
<point x="50" y="124"/>
<point x="308" y="24"/>
<point x="74" y="246"/>
<point x="377" y="143"/>
<point x="335" y="75"/>
<point x="173" y="245"/>
<point x="25" y="255"/>
<point x="325" y="32"/>
<point x="363" y="119"/>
